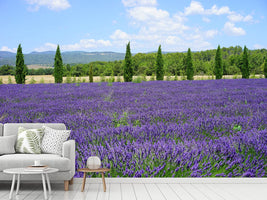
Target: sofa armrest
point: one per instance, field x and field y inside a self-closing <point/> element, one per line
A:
<point x="68" y="151"/>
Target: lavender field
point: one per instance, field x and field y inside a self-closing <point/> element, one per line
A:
<point x="211" y="128"/>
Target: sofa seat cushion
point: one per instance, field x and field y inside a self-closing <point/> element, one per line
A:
<point x="24" y="160"/>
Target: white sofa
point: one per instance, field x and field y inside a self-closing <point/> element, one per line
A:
<point x="65" y="163"/>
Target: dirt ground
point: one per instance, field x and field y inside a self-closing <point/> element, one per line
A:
<point x="50" y="79"/>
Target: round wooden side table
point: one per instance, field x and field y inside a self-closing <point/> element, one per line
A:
<point x="100" y="170"/>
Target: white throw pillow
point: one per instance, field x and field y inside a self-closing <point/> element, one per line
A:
<point x="7" y="144"/>
<point x="53" y="140"/>
<point x="29" y="140"/>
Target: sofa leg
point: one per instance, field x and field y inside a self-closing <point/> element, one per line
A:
<point x="66" y="185"/>
<point x="71" y="181"/>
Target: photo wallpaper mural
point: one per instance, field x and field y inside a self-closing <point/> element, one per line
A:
<point x="211" y="128"/>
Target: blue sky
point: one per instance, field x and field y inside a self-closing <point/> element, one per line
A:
<point x="107" y="25"/>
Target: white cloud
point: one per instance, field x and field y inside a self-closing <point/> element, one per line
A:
<point x="148" y="13"/>
<point x="248" y="18"/>
<point x="218" y="11"/>
<point x="154" y="26"/>
<point x="230" y="29"/>
<point x="46" y="47"/>
<point x="197" y="8"/>
<point x="120" y="35"/>
<point x="236" y="17"/>
<point x="259" y="46"/>
<point x="56" y="5"/>
<point x="205" y="19"/>
<point x="84" y="44"/>
<point x="134" y="3"/>
<point x="194" y="8"/>
<point x="211" y="33"/>
<point x="152" y="20"/>
<point x="157" y="26"/>
<point x="5" y="48"/>
<point x="172" y="40"/>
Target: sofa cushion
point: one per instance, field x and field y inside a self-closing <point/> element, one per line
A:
<point x="29" y="140"/>
<point x="7" y="144"/>
<point x="12" y="128"/>
<point x="53" y="140"/>
<point x="24" y="160"/>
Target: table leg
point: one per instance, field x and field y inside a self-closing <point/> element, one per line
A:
<point x="18" y="184"/>
<point x="12" y="186"/>
<point x="84" y="179"/>
<point x="48" y="183"/>
<point x="104" y="182"/>
<point x="44" y="186"/>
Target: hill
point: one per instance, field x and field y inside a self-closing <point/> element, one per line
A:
<point x="47" y="57"/>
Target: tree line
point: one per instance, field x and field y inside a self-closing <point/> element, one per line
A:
<point x="223" y="61"/>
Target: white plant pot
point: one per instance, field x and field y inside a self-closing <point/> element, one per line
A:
<point x="93" y="162"/>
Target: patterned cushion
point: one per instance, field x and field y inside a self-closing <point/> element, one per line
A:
<point x="53" y="140"/>
<point x="7" y="144"/>
<point x="29" y="140"/>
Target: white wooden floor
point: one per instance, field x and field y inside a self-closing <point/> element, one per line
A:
<point x="129" y="189"/>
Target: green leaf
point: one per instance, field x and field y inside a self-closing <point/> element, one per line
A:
<point x="19" y="144"/>
<point x="34" y="142"/>
<point x="25" y="150"/>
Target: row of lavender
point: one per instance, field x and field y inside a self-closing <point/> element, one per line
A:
<point x="155" y="129"/>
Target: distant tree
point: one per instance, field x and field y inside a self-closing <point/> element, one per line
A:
<point x="91" y="79"/>
<point x="189" y="66"/>
<point x="159" y="66"/>
<point x="58" y="67"/>
<point x="7" y="70"/>
<point x="245" y="65"/>
<point x="128" y="70"/>
<point x="68" y="67"/>
<point x="21" y="69"/>
<point x="265" y="67"/>
<point x="218" y="64"/>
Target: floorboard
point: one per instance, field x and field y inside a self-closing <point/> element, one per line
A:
<point x="244" y="191"/>
<point x="138" y="190"/>
<point x="4" y="191"/>
<point x="93" y="190"/>
<point x="154" y="192"/>
<point x="208" y="192"/>
<point x="181" y="192"/>
<point x="81" y="195"/>
<point x="168" y="192"/>
<point x="194" y="192"/>
<point x="115" y="192"/>
<point x="127" y="192"/>
<point x="104" y="195"/>
<point x="221" y="192"/>
<point x="141" y="192"/>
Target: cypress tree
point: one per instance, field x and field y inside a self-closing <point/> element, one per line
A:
<point x="245" y="66"/>
<point x="159" y="66"/>
<point x="189" y="66"/>
<point x="218" y="64"/>
<point x="91" y="80"/>
<point x="58" y="67"/>
<point x="127" y="69"/>
<point x="21" y="70"/>
<point x="265" y="68"/>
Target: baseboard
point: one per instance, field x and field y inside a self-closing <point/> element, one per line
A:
<point x="177" y="180"/>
